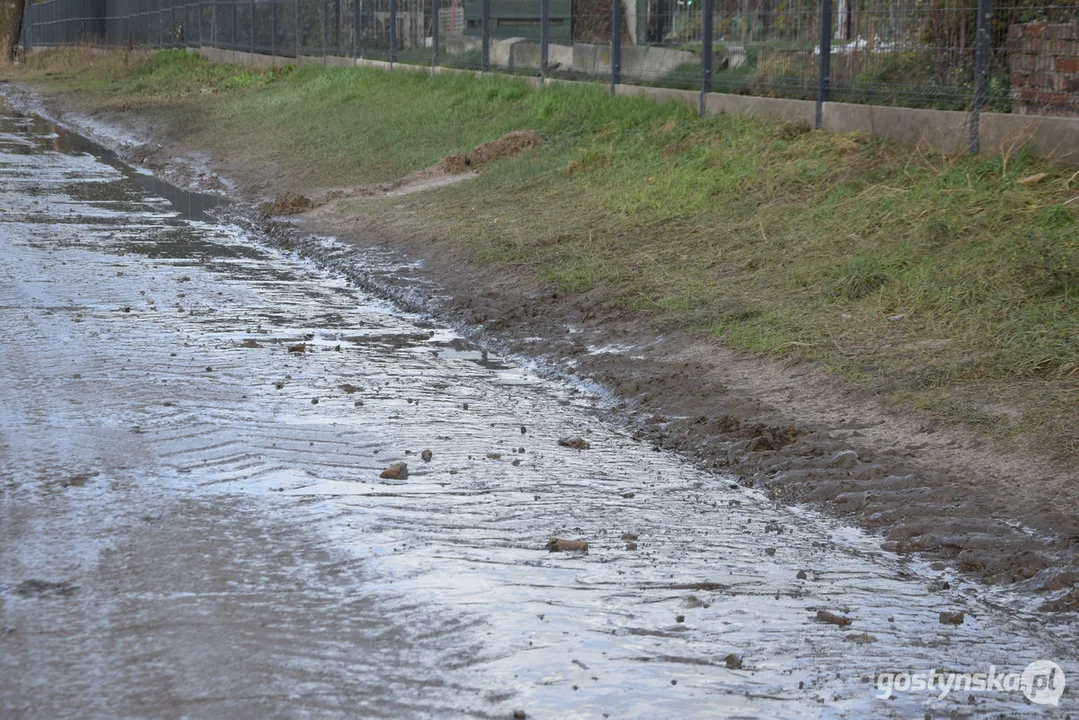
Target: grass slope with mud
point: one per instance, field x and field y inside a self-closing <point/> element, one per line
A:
<point x="944" y="283"/>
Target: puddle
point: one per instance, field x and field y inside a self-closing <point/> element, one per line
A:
<point x="156" y="354"/>
<point x="31" y="135"/>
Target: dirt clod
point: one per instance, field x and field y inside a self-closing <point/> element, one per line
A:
<point x="950" y="617"/>
<point x="397" y="471"/>
<point x="426" y="456"/>
<point x="562" y="545"/>
<point x="290" y="203"/>
<point x="250" y="343"/>
<point x="348" y="388"/>
<point x="734" y="662"/>
<point x="827" y="616"/>
<point x="78" y="480"/>
<point x="576" y="442"/>
<point x="36" y="588"/>
<point x="802" y="575"/>
<point x="298" y="348"/>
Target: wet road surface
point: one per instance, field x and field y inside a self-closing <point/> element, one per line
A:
<point x="193" y="523"/>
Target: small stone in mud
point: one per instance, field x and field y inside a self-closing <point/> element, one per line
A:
<point x="562" y="545"/>
<point x="519" y="715"/>
<point x="948" y="617"/>
<point x="521" y="451"/>
<point x="576" y="442"/>
<point x="397" y="471"/>
<point x="631" y="546"/>
<point x="426" y="456"/>
<point x="494" y="456"/>
<point x="358" y="403"/>
<point x="523" y="429"/>
<point x="802" y="575"/>
<point x="861" y="638"/>
<point x="464" y="406"/>
<point x="279" y="384"/>
<point x="828" y="616"/>
<point x="126" y="308"/>
<point x="348" y="388"/>
<point x="843" y="459"/>
<point x="769" y="551"/>
<point x="33" y="587"/>
<point x="629" y="495"/>
<point x="680" y="619"/>
<point x="629" y="536"/>
<point x="734" y="662"/>
<point x="516" y="462"/>
<point x="298" y="348"/>
<point x="249" y="343"/>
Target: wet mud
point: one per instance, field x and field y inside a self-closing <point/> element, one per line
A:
<point x="198" y="520"/>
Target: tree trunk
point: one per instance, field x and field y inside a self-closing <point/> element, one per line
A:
<point x="10" y="27"/>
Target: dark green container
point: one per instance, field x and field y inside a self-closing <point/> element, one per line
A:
<point x="521" y="18"/>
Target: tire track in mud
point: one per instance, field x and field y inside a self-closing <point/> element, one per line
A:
<point x="277" y="573"/>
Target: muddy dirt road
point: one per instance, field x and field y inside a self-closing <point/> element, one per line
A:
<point x="193" y="523"/>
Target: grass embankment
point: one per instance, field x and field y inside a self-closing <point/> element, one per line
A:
<point x="934" y="280"/>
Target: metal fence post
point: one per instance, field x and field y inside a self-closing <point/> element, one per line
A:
<point x="485" y="23"/>
<point x="824" y="75"/>
<point x="393" y="31"/>
<point x="336" y="27"/>
<point x="235" y="22"/>
<point x="707" y="32"/>
<point x="355" y="29"/>
<point x="251" y="44"/>
<point x="299" y="30"/>
<point x="434" y="33"/>
<point x="545" y="37"/>
<point x="616" y="44"/>
<point x="325" y="31"/>
<point x="273" y="32"/>
<point x="981" y="71"/>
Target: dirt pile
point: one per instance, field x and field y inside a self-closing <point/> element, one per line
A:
<point x="290" y="203"/>
<point x="506" y="146"/>
<point x="510" y="144"/>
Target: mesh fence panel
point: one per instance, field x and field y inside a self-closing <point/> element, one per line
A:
<point x="916" y="53"/>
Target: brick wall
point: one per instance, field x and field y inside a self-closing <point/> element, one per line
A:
<point x="1043" y="60"/>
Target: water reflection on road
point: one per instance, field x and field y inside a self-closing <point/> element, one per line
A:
<point x="192" y="433"/>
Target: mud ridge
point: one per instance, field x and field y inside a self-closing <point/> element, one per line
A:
<point x="449" y="169"/>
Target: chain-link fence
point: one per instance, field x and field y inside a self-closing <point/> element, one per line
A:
<point x="945" y="54"/>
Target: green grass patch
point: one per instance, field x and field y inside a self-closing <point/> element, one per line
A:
<point x="934" y="280"/>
